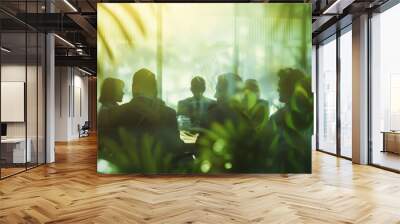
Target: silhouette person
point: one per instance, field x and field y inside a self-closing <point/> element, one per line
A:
<point x="196" y="107"/>
<point x="228" y="85"/>
<point x="252" y="86"/>
<point x="260" y="110"/>
<point x="147" y="115"/>
<point x="291" y="125"/>
<point x="111" y="94"/>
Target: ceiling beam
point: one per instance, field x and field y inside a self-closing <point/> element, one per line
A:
<point x="337" y="7"/>
<point x="81" y="61"/>
<point x="86" y="26"/>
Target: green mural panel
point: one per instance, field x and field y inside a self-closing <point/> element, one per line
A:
<point x="204" y="88"/>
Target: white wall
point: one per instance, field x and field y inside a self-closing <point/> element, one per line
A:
<point x="16" y="73"/>
<point x="12" y="73"/>
<point x="71" y="102"/>
<point x="62" y="81"/>
<point x="34" y="125"/>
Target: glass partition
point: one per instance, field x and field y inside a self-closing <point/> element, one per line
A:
<point x="31" y="97"/>
<point x="22" y="92"/>
<point x="14" y="153"/>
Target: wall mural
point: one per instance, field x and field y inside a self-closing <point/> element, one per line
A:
<point x="204" y="88"/>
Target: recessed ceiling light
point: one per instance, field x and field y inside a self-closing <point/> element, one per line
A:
<point x="64" y="40"/>
<point x="337" y="7"/>
<point x="84" y="71"/>
<point x="70" y="5"/>
<point x="5" y="50"/>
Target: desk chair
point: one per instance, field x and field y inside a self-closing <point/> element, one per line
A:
<point x="84" y="130"/>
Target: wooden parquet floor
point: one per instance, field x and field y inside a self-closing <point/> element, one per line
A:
<point x="70" y="191"/>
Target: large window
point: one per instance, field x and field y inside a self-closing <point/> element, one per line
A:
<point x="334" y="63"/>
<point x="327" y="96"/>
<point x="346" y="93"/>
<point x="385" y="89"/>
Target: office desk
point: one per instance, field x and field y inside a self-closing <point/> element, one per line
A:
<point x="391" y="141"/>
<point x="13" y="150"/>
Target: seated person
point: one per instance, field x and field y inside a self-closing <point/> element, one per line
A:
<point x="111" y="94"/>
<point x="228" y="85"/>
<point x="147" y="115"/>
<point x="196" y="107"/>
<point x="252" y="86"/>
<point x="260" y="110"/>
<point x="294" y="89"/>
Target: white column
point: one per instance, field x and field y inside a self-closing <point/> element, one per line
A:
<point x="360" y="90"/>
<point x="50" y="99"/>
<point x="50" y="92"/>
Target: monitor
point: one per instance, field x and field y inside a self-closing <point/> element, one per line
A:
<point x="3" y="129"/>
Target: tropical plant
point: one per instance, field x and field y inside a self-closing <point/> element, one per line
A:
<point x="144" y="154"/>
<point x="275" y="145"/>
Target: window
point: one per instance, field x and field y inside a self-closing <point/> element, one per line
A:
<point x="346" y="93"/>
<point x="327" y="96"/>
<point x="385" y="89"/>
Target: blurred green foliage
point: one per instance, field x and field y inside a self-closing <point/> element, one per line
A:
<point x="280" y="144"/>
<point x="252" y="144"/>
<point x="137" y="155"/>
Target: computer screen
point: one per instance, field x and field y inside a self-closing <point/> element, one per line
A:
<point x="3" y="129"/>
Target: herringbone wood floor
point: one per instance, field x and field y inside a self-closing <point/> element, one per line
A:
<point x="70" y="191"/>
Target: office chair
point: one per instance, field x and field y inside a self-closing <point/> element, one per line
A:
<point x="84" y="130"/>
